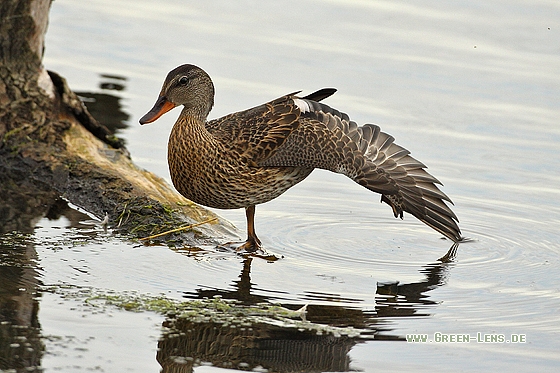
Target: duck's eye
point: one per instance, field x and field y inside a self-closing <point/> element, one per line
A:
<point x="183" y="80"/>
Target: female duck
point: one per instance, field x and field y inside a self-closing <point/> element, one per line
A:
<point x="253" y="156"/>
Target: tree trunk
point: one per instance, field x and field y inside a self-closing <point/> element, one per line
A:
<point x="51" y="146"/>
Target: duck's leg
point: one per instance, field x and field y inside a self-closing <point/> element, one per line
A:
<point x="253" y="243"/>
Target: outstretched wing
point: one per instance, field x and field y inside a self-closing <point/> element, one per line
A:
<point x="328" y="139"/>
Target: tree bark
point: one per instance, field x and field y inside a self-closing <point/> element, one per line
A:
<point x="51" y="146"/>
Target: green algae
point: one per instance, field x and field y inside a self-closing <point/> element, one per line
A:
<point x="216" y="310"/>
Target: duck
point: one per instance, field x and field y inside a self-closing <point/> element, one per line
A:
<point x="252" y="156"/>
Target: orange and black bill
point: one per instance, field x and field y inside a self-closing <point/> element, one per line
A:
<point x="161" y="107"/>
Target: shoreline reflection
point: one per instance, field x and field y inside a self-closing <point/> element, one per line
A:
<point x="321" y="342"/>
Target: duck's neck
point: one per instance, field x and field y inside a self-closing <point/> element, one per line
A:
<point x="198" y="113"/>
<point x="190" y="128"/>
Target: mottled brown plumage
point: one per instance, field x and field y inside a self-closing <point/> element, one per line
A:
<point x="253" y="156"/>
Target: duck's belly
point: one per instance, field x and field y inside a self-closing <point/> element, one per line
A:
<point x="224" y="190"/>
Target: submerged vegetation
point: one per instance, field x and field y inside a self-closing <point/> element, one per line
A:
<point x="216" y="310"/>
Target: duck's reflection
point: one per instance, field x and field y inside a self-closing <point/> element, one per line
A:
<point x="405" y="300"/>
<point x="241" y="289"/>
<point x="260" y="346"/>
<point x="277" y="348"/>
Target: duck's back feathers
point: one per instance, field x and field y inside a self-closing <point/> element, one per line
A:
<point x="256" y="133"/>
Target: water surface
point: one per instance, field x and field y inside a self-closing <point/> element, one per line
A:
<point x="470" y="88"/>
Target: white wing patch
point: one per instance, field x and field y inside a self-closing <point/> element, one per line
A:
<point x="302" y="105"/>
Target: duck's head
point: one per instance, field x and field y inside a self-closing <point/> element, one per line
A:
<point x="186" y="85"/>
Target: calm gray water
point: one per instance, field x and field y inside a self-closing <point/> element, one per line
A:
<point x="472" y="89"/>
